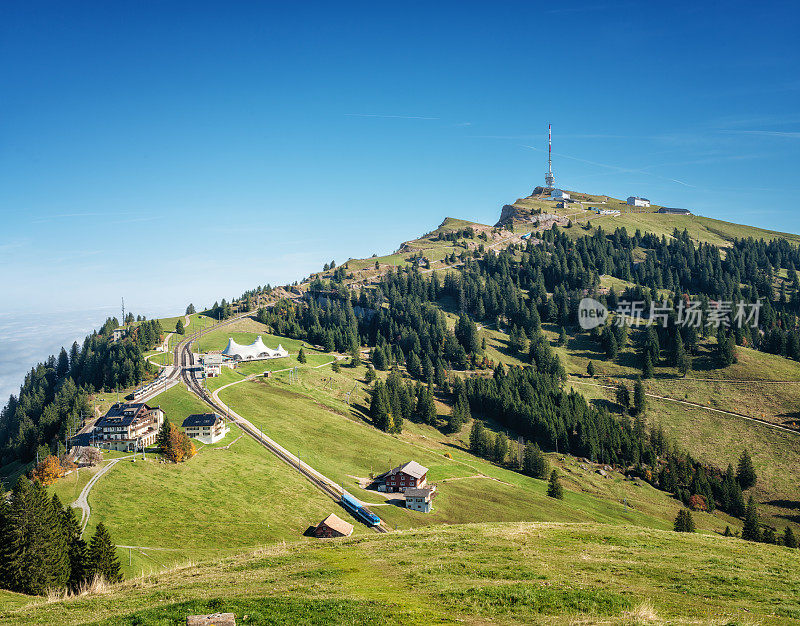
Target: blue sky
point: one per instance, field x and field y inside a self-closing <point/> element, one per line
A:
<point x="172" y="152"/>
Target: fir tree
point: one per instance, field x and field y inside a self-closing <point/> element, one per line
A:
<point x="301" y="356"/>
<point x="476" y="437"/>
<point x="162" y="438"/>
<point x="34" y="548"/>
<point x="768" y="536"/>
<point x="590" y="369"/>
<point x="335" y="367"/>
<point x="647" y="367"/>
<point x="639" y="397"/>
<point x="379" y="359"/>
<point x="427" y="410"/>
<point x="534" y="461"/>
<point x="745" y="472"/>
<point x="500" y="451"/>
<point x="179" y="327"/>
<point x="370" y="375"/>
<point x="103" y="559"/>
<point x="562" y="337"/>
<point x="554" y="488"/>
<point x="623" y="397"/>
<point x="355" y="357"/>
<point x="379" y="408"/>
<point x="684" y="523"/>
<point x="751" y="530"/>
<point x="727" y="532"/>
<point x="789" y="540"/>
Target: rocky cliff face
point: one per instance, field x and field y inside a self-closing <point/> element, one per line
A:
<point x="509" y="212"/>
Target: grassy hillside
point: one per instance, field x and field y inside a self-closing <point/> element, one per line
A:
<point x="700" y="228"/>
<point x="311" y="420"/>
<point x="232" y="495"/>
<point x="712" y="437"/>
<point x="482" y="573"/>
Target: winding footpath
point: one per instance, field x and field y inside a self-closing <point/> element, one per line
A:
<point x="82" y="501"/>
<point x="701" y="406"/>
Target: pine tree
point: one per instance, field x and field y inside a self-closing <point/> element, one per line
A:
<point x="355" y="357"/>
<point x="684" y="523"/>
<point x="427" y="410"/>
<point x="746" y="473"/>
<point x="554" y="488"/>
<point x="379" y="408"/>
<point x="476" y="437"/>
<point x="623" y="397"/>
<point x="535" y="462"/>
<point x="500" y="448"/>
<point x="562" y="337"/>
<point x="727" y="532"/>
<point x="103" y="560"/>
<point x="370" y="375"/>
<point x="379" y="359"/>
<point x="335" y="367"/>
<point x="179" y="327"/>
<point x="647" y="367"/>
<point x="639" y="397"/>
<point x="683" y="361"/>
<point x="162" y="438"/>
<point x="751" y="530"/>
<point x="190" y="310"/>
<point x="789" y="540"/>
<point x="34" y="548"/>
<point x="301" y="356"/>
<point x="590" y="369"/>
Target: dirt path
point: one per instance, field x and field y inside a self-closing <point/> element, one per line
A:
<point x="82" y="501"/>
<point x="701" y="406"/>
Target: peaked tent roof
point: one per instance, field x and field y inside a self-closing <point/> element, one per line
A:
<point x="255" y="350"/>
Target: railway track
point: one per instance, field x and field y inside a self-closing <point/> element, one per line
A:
<point x="184" y="369"/>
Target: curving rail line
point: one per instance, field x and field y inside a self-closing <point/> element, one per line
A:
<point x="185" y="363"/>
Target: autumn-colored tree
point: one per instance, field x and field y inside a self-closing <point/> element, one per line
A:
<point x="48" y="471"/>
<point x="179" y="447"/>
<point x="698" y="503"/>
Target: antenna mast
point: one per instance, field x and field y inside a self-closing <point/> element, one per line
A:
<point x="123" y="312"/>
<point x="549" y="179"/>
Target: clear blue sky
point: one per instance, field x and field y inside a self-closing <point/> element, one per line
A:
<point x="173" y="152"/>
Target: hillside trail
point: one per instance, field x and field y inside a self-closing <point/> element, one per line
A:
<point x="701" y="406"/>
<point x="82" y="501"/>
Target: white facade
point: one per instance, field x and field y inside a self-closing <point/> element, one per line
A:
<point x="559" y="194"/>
<point x="208" y="428"/>
<point x="637" y="201"/>
<point x="254" y="352"/>
<point x="420" y="499"/>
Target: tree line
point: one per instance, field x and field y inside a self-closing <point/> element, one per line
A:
<point x="42" y="549"/>
<point x="54" y="397"/>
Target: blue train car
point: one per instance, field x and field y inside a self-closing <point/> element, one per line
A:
<point x="358" y="511"/>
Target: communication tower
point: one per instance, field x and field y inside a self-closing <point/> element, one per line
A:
<point x="549" y="179"/>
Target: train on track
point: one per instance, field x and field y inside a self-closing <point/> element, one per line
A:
<point x="358" y="510"/>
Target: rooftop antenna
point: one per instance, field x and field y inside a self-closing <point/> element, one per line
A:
<point x="549" y="179"/>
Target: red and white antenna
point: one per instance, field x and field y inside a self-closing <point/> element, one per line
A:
<point x="549" y="179"/>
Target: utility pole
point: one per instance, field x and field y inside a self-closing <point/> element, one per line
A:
<point x="123" y="312"/>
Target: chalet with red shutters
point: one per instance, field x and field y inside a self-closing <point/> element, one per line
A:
<point x="410" y="475"/>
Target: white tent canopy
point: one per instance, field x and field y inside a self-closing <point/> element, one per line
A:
<point x="254" y="352"/>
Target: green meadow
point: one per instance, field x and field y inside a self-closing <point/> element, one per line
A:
<point x="512" y="573"/>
